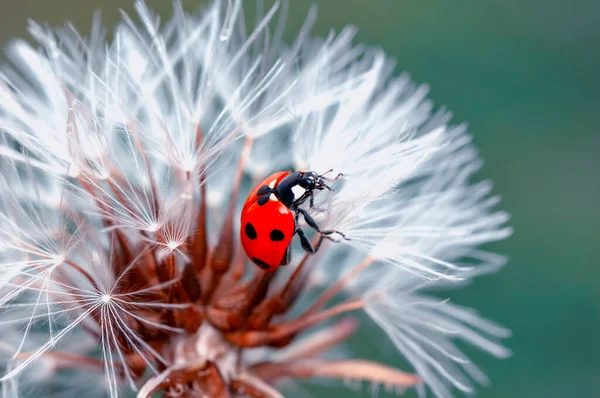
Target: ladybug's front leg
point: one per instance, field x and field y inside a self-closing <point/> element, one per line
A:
<point x="313" y="224"/>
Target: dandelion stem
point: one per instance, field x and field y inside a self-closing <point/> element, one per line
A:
<point x="74" y="360"/>
<point x="199" y="247"/>
<point x="83" y="272"/>
<point x="252" y="386"/>
<point x="126" y="252"/>
<point x="279" y="302"/>
<point x="239" y="265"/>
<point x="223" y="252"/>
<point x="132" y="130"/>
<point x="324" y="340"/>
<point x="298" y="280"/>
<point x="285" y="298"/>
<point x="279" y="333"/>
<point x="313" y="319"/>
<point x="258" y="292"/>
<point x="241" y="259"/>
<point x="234" y="314"/>
<point x="117" y="191"/>
<point x="345" y="369"/>
<point x="339" y="285"/>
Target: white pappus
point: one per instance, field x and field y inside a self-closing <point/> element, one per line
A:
<point x="123" y="169"/>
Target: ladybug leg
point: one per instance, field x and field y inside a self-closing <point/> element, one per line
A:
<point x="302" y="199"/>
<point x="313" y="224"/>
<point x="331" y="232"/>
<point x="287" y="257"/>
<point x="309" y="220"/>
<point x="328" y="237"/>
<point x="305" y="242"/>
<point x="308" y="247"/>
<point x="321" y="239"/>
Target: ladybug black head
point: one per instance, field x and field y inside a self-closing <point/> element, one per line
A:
<point x="311" y="181"/>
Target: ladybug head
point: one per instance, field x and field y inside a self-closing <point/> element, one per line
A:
<point x="311" y="181"/>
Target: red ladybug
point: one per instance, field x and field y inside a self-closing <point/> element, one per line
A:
<point x="270" y="217"/>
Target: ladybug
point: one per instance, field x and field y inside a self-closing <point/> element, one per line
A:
<point x="270" y="215"/>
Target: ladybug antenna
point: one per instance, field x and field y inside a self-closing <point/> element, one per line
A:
<point x="340" y="175"/>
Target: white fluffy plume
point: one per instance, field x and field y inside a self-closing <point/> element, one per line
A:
<point x="102" y="143"/>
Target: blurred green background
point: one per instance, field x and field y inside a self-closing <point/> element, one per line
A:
<point x="525" y="75"/>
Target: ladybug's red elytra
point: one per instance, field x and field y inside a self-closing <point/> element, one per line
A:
<point x="270" y="217"/>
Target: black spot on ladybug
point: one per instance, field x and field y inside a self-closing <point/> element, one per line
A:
<point x="263" y="199"/>
<point x="261" y="263"/>
<point x="276" y="235"/>
<point x="263" y="190"/>
<point x="250" y="231"/>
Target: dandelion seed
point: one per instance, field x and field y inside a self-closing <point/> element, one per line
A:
<point x="123" y="170"/>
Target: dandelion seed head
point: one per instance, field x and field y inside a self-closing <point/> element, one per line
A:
<point x="125" y="164"/>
